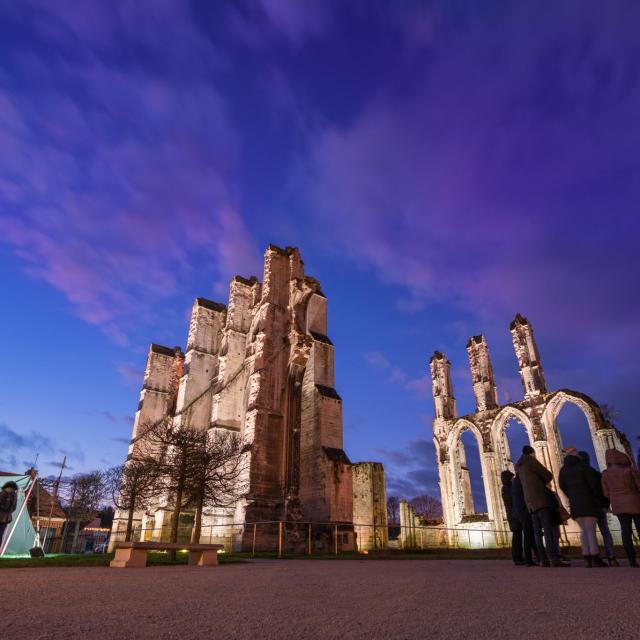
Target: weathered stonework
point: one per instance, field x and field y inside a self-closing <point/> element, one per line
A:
<point x="370" y="506"/>
<point x="411" y="529"/>
<point x="261" y="366"/>
<point x="537" y="412"/>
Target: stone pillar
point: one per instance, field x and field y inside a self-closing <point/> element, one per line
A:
<point x="604" y="439"/>
<point x="405" y="530"/>
<point x="490" y="479"/>
<point x="448" y="500"/>
<point x="443" y="398"/>
<point x="484" y="385"/>
<point x="531" y="373"/>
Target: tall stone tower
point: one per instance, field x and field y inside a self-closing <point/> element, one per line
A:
<point x="529" y="364"/>
<point x="484" y="385"/>
<point x="445" y="403"/>
<point x="261" y="366"/>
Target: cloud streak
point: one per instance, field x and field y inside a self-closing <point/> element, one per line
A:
<point x="116" y="174"/>
<point x="503" y="185"/>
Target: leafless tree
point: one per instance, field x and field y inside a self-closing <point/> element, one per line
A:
<point x="219" y="478"/>
<point x="427" y="507"/>
<point x="132" y="485"/>
<point x="82" y="497"/>
<point x="176" y="449"/>
<point x="393" y="510"/>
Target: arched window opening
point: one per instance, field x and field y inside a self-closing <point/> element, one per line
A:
<point x="475" y="502"/>
<point x="573" y="427"/>
<point x="517" y="437"/>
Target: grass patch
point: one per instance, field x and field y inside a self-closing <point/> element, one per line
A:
<point x="99" y="560"/>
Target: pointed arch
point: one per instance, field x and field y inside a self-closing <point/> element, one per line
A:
<point x="499" y="433"/>
<point x="590" y="409"/>
<point x="461" y="484"/>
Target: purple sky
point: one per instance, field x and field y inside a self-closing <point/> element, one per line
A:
<point x="441" y="165"/>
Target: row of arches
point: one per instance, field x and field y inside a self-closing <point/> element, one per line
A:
<point x="478" y="453"/>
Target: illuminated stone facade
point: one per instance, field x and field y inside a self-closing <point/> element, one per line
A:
<point x="261" y="366"/>
<point x="370" y="505"/>
<point x="537" y="412"/>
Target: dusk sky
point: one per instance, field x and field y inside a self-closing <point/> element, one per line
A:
<point x="441" y="166"/>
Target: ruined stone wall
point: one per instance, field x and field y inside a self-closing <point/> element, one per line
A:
<point x="370" y="505"/>
<point x="537" y="412"/>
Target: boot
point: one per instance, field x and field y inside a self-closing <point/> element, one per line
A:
<point x="613" y="562"/>
<point x="633" y="562"/>
<point x="560" y="563"/>
<point x="588" y="561"/>
<point x="598" y="562"/>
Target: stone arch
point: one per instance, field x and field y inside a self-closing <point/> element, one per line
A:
<point x="459" y="489"/>
<point x="592" y="412"/>
<point x="499" y="437"/>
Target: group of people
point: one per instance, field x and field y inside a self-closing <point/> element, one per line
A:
<point x="8" y="499"/>
<point x="536" y="513"/>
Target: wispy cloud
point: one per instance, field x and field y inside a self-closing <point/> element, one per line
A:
<point x="377" y="359"/>
<point x="421" y="385"/>
<point x="118" y="176"/>
<point x="501" y="212"/>
<point x="411" y="471"/>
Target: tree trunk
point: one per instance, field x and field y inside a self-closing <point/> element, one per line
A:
<point x="132" y="508"/>
<point x="175" y="518"/>
<point x="75" y="536"/>
<point x="197" y="525"/>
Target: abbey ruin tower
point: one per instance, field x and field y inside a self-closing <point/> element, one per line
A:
<point x="261" y="366"/>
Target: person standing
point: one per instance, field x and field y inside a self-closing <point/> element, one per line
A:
<point x="621" y="485"/>
<point x="603" y="525"/>
<point x="8" y="501"/>
<point x="585" y="504"/>
<point x="521" y="513"/>
<point x="534" y="478"/>
<point x="514" y="523"/>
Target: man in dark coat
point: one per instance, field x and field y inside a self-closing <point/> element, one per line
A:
<point x="603" y="525"/>
<point x="8" y="500"/>
<point x="514" y="523"/>
<point x="534" y="478"/>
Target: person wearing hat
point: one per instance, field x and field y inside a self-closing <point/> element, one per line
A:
<point x="585" y="501"/>
<point x="8" y="500"/>
<point x="534" y="478"/>
<point x="621" y="485"/>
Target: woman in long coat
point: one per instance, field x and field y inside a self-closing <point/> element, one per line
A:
<point x="585" y="502"/>
<point x="621" y="484"/>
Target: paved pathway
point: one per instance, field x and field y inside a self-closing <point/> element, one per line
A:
<point x="324" y="599"/>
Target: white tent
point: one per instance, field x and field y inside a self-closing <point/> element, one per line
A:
<point x="20" y="535"/>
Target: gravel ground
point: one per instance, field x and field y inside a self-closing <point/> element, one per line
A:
<point x="306" y="599"/>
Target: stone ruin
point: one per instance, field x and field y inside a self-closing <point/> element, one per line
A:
<point x="263" y="366"/>
<point x="537" y="412"/>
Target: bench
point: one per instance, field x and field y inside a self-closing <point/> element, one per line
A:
<point x="134" y="554"/>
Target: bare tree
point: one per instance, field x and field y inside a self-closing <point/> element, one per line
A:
<point x="393" y="510"/>
<point x="132" y="485"/>
<point x="176" y="450"/>
<point x="218" y="470"/>
<point x="82" y="497"/>
<point x="427" y="507"/>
